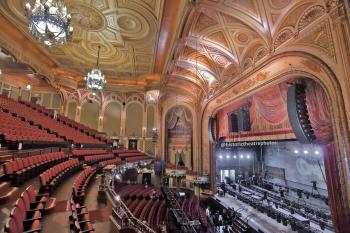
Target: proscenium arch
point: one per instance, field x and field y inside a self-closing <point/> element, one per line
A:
<point x="304" y="65"/>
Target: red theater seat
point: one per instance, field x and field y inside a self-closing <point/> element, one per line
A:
<point x="21" y="169"/>
<point x="27" y="212"/>
<point x="81" y="182"/>
<point x="52" y="177"/>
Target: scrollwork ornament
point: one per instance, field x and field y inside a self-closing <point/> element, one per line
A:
<point x="338" y="13"/>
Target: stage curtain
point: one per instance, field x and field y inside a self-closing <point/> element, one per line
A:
<point x="270" y="105"/>
<point x="317" y="106"/>
<point x="268" y="111"/>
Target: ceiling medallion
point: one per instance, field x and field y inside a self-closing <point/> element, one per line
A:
<point x="95" y="80"/>
<point x="49" y="21"/>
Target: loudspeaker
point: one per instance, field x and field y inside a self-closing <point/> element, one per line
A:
<point x="298" y="114"/>
<point x="212" y="130"/>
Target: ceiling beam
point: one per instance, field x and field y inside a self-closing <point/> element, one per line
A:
<point x="172" y="14"/>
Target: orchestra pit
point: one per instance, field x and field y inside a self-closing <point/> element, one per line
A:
<point x="175" y="116"/>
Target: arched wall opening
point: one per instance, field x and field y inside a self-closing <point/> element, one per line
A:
<point x="280" y="68"/>
<point x="133" y="124"/>
<point x="112" y="119"/>
<point x="90" y="114"/>
<point x="178" y="137"/>
<point x="72" y="110"/>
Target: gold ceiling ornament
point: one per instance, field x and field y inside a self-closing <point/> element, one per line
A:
<point x="49" y="21"/>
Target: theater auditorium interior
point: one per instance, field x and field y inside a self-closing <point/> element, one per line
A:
<point x="178" y="116"/>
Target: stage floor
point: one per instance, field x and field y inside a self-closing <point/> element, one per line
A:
<point x="258" y="220"/>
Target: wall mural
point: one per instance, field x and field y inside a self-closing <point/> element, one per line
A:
<point x="178" y="142"/>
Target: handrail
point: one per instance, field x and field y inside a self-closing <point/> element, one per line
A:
<point x="177" y="211"/>
<point x="133" y="221"/>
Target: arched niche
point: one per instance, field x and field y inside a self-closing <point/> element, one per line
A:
<point x="111" y="119"/>
<point x="72" y="110"/>
<point x="89" y="114"/>
<point x="133" y="123"/>
<point x="150" y="119"/>
<point x="179" y="137"/>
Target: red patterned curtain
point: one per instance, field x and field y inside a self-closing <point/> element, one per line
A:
<point x="319" y="116"/>
<point x="271" y="104"/>
<point x="268" y="111"/>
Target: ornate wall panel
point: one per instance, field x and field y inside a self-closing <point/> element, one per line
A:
<point x="90" y="114"/>
<point x="112" y="119"/>
<point x="133" y="125"/>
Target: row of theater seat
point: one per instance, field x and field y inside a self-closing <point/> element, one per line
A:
<point x="81" y="182"/>
<point x="146" y="204"/>
<point x="132" y="159"/>
<point x="80" y="218"/>
<point x="62" y="118"/>
<point x="117" y="152"/>
<point x="19" y="170"/>
<point x="128" y="155"/>
<point x="52" y="177"/>
<point x="88" y="152"/>
<point x="97" y="158"/>
<point x="46" y="121"/>
<point x="115" y="161"/>
<point x="27" y="212"/>
<point x="14" y="129"/>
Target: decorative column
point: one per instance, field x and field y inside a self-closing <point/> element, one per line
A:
<point x="100" y="124"/>
<point x="78" y="114"/>
<point x="123" y="138"/>
<point x="144" y="128"/>
<point x="341" y="31"/>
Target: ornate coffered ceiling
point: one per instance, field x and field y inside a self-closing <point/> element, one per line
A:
<point x="223" y="39"/>
<point x="126" y="30"/>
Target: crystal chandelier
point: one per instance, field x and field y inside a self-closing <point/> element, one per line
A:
<point x="95" y="80"/>
<point x="49" y="21"/>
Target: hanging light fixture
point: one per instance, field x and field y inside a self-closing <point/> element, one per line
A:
<point x="49" y="21"/>
<point x="95" y="80"/>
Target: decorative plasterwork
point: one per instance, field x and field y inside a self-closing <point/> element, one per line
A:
<point x="127" y="32"/>
<point x="229" y="38"/>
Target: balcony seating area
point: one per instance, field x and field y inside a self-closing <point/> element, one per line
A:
<point x="51" y="178"/>
<point x="80" y="218"/>
<point x="14" y="129"/>
<point x="61" y="118"/>
<point x="83" y="152"/>
<point x="146" y="204"/>
<point x="117" y="152"/>
<point x="27" y="213"/>
<point x="46" y="122"/>
<point x="115" y="161"/>
<point x="22" y="169"/>
<point x="81" y="182"/>
<point x="132" y="159"/>
<point x="130" y="154"/>
<point x="92" y="159"/>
